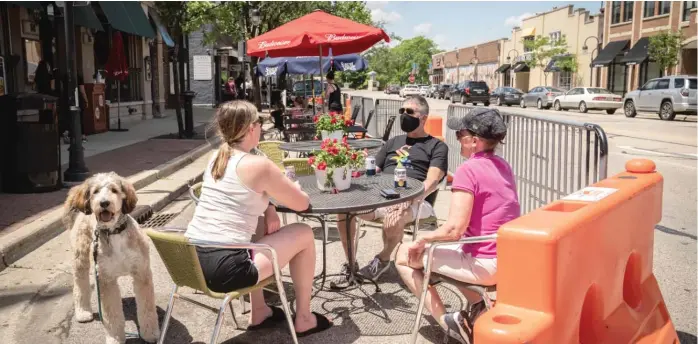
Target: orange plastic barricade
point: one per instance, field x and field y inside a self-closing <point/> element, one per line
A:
<point x="579" y="270"/>
<point x="433" y="126"/>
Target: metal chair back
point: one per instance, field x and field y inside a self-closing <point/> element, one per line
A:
<point x="386" y="133"/>
<point x="272" y="150"/>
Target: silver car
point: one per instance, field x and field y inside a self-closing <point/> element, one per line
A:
<point x="588" y="98"/>
<point x="542" y="97"/>
<point x="667" y="96"/>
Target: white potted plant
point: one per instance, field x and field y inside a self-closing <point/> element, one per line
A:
<point x="331" y="125"/>
<point x="334" y="163"/>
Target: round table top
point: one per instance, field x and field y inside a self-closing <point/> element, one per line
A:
<point x="309" y="146"/>
<point x="310" y="129"/>
<point x="363" y="195"/>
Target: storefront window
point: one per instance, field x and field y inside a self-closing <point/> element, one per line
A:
<point x="628" y="10"/>
<point x="32" y="57"/>
<point x="648" y="9"/>
<point x="649" y="70"/>
<point x="687" y="7"/>
<point x="617" y="78"/>
<point x="615" y="12"/>
<point x="664" y="7"/>
<point x="564" y="80"/>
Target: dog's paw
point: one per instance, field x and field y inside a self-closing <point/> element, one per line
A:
<point x="83" y="316"/>
<point x="150" y="335"/>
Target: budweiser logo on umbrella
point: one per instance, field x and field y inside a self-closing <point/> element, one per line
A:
<point x="265" y="44"/>
<point x="332" y="37"/>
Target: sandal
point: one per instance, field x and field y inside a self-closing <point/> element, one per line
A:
<point x="277" y="316"/>
<point x="322" y="324"/>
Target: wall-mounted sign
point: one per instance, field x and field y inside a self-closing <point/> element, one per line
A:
<point x="202" y="67"/>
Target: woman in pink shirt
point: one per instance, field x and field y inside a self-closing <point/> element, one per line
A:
<point x="483" y="198"/>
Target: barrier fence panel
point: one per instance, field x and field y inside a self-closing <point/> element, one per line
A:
<point x="551" y="158"/>
<point x="356" y="101"/>
<point x="385" y="108"/>
<point x="367" y="105"/>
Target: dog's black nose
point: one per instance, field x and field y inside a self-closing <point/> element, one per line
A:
<point x="104" y="204"/>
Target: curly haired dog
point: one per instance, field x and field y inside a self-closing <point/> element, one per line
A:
<point x="98" y="210"/>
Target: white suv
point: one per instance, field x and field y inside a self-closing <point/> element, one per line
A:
<point x="668" y="96"/>
<point x="409" y="90"/>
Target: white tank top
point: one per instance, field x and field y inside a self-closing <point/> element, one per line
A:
<point x="228" y="210"/>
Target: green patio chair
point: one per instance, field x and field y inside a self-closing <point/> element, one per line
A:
<point x="272" y="150"/>
<point x="300" y="165"/>
<point x="182" y="263"/>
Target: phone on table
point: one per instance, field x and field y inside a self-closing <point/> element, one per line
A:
<point x="389" y="194"/>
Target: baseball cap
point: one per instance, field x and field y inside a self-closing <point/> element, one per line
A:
<point x="483" y="122"/>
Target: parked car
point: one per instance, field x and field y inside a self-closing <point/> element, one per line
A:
<point x="409" y="90"/>
<point x="424" y="90"/>
<point x="442" y="91"/>
<point x="432" y="91"/>
<point x="588" y="98"/>
<point x="471" y="92"/>
<point x="506" y="96"/>
<point x="667" y="96"/>
<point x="541" y="96"/>
<point x="392" y="89"/>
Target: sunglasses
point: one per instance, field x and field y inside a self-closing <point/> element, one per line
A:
<point x="462" y="133"/>
<point x="408" y="111"/>
<point x="259" y="120"/>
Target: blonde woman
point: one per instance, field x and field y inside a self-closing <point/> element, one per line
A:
<point x="235" y="192"/>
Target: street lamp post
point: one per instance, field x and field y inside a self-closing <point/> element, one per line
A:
<point x="77" y="170"/>
<point x="591" y="66"/>
<point x="255" y="20"/>
<point x="511" y="69"/>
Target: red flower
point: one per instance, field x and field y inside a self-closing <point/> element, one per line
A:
<point x="311" y="160"/>
<point x="335" y="140"/>
<point x="316" y="118"/>
<point x="316" y="138"/>
<point x="348" y="123"/>
<point x="322" y="166"/>
<point x="353" y="156"/>
<point x="344" y="139"/>
<point x="333" y="120"/>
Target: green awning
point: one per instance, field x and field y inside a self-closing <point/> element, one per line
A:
<point x="127" y="16"/>
<point x="84" y="16"/>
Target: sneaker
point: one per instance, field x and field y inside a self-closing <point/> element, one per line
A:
<point x="455" y="326"/>
<point x="475" y="310"/>
<point x="375" y="268"/>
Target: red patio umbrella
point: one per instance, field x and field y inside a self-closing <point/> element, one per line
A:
<point x="117" y="69"/>
<point x="316" y="33"/>
<point x="304" y="36"/>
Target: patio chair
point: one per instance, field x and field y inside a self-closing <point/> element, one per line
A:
<point x="355" y="113"/>
<point x="300" y="165"/>
<point x="182" y="263"/>
<point x="365" y="125"/>
<point x="272" y="150"/>
<point x="431" y="221"/>
<point x="433" y="279"/>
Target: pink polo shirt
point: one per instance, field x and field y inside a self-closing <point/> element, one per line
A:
<point x="491" y="181"/>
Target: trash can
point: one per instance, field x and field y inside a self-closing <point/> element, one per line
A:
<point x="31" y="149"/>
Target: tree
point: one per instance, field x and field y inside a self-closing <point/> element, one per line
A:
<point x="541" y="49"/>
<point x="664" y="49"/>
<point x="227" y="20"/>
<point x="394" y="65"/>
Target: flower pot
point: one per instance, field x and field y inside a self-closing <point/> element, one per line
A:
<point x="341" y="176"/>
<point x="337" y="134"/>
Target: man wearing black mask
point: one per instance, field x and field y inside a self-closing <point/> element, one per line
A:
<point x="428" y="162"/>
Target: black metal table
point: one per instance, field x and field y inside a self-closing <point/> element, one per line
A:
<point x="361" y="197"/>
<point x="311" y="130"/>
<point x="309" y="146"/>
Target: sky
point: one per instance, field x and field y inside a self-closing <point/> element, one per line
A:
<point x="461" y="24"/>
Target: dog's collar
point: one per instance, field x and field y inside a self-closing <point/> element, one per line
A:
<point x="121" y="225"/>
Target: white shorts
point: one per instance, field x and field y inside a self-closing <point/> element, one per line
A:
<point x="424" y="212"/>
<point x="450" y="261"/>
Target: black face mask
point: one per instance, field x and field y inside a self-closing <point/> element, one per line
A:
<point x="408" y="123"/>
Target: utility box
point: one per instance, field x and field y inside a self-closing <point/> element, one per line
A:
<point x="31" y="149"/>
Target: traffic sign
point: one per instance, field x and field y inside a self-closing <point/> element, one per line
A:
<point x="411" y="78"/>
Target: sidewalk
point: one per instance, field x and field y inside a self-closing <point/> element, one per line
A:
<point x="135" y="153"/>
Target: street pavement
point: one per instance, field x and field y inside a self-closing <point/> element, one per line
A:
<point x="672" y="146"/>
<point x="36" y="294"/>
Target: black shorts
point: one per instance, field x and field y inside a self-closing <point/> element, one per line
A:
<point x="226" y="270"/>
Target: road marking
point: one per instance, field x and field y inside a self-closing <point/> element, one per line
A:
<point x="666" y="154"/>
<point x="659" y="162"/>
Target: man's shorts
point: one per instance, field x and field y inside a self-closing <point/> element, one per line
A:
<point x="425" y="211"/>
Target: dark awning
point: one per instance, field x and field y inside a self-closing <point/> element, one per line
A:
<point x="638" y="53"/>
<point x="34" y="5"/>
<point x="85" y="16"/>
<point x="552" y="65"/>
<point x="609" y="53"/>
<point x="521" y="67"/>
<point x="503" y="68"/>
<point x="162" y="29"/>
<point x="127" y="16"/>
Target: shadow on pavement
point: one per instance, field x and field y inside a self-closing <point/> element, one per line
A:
<point x="687" y="338"/>
<point x="175" y="330"/>
<point x="671" y="231"/>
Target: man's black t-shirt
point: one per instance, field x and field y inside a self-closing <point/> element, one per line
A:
<point x="424" y="152"/>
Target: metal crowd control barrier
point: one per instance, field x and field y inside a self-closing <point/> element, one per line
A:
<point x="367" y="105"/>
<point x="550" y="158"/>
<point x="385" y="108"/>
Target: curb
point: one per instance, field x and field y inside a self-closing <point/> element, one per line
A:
<point x="49" y="226"/>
